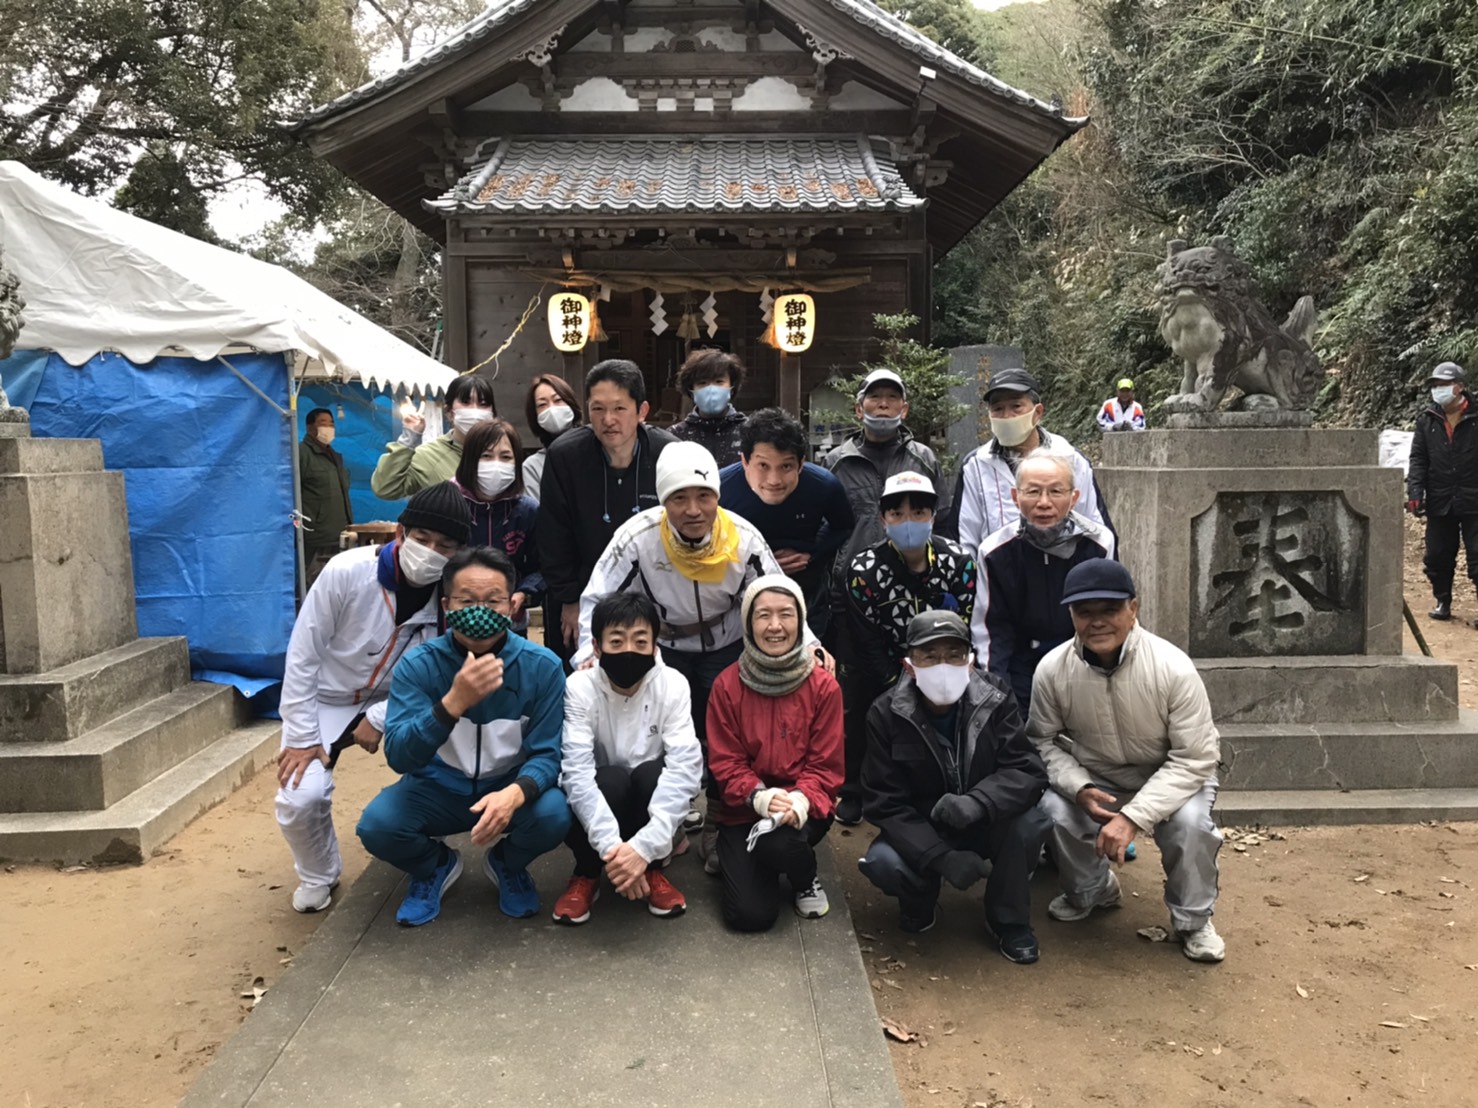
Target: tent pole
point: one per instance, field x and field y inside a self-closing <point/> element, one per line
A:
<point x="301" y="576"/>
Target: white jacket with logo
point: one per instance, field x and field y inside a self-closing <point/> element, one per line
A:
<point x="1145" y="728"/>
<point x="696" y="617"/>
<point x="604" y="728"/>
<point x="987" y="478"/>
<point x="343" y="647"/>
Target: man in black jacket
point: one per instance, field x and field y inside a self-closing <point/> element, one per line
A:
<point x="595" y="479"/>
<point x="951" y="781"/>
<point x="1442" y="481"/>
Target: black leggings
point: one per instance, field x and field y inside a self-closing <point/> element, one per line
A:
<point x="751" y="900"/>
<point x="629" y="793"/>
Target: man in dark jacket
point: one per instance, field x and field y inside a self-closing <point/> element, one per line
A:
<point x="595" y="479"/>
<point x="710" y="378"/>
<point x="951" y="781"/>
<point x="1018" y="614"/>
<point x="324" y="480"/>
<point x="1442" y="482"/>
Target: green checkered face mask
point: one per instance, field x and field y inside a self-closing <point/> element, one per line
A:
<point x="478" y="621"/>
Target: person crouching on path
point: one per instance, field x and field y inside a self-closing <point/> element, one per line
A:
<point x="1122" y="721"/>
<point x="952" y="782"/>
<point x="369" y="607"/>
<point x="631" y="762"/>
<point x="775" y="754"/>
<point x="694" y="559"/>
<point x="474" y="725"/>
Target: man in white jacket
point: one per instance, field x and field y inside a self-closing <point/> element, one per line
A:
<point x="367" y="609"/>
<point x="1121" y="719"/>
<point x="630" y="763"/>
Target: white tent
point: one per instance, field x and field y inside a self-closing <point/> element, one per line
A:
<point x="96" y="279"/>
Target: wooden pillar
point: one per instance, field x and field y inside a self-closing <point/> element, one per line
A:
<point x="454" y="311"/>
<point x="789" y="387"/>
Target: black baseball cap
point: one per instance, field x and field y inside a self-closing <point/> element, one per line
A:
<point x="1012" y="380"/>
<point x="1097" y="579"/>
<point x="935" y="625"/>
<point x="1447" y="371"/>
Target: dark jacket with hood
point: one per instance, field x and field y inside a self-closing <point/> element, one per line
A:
<point x="1443" y="468"/>
<point x="907" y="767"/>
<point x="325" y="483"/>
<point x="581" y="505"/>
<point x="718" y="435"/>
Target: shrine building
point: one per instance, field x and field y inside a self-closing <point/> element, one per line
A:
<point x="681" y="165"/>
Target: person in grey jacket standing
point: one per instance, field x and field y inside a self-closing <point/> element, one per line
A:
<point x="1122" y="721"/>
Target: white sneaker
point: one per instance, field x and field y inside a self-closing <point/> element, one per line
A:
<point x="1203" y="944"/>
<point x="1069" y="911"/>
<point x="313" y="898"/>
<point x="812" y="903"/>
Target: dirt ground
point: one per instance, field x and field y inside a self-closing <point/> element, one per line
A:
<point x="1351" y="975"/>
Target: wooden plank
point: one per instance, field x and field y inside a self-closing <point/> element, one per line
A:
<point x="582" y="66"/>
<point x="454" y="318"/>
<point x="490" y="124"/>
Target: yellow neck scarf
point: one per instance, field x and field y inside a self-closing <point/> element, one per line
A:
<point x="708" y="563"/>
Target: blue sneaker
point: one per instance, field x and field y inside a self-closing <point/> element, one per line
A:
<point x="422" y="902"/>
<point x="1130" y="853"/>
<point x="517" y="896"/>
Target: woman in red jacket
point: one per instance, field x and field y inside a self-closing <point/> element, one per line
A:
<point x="775" y="753"/>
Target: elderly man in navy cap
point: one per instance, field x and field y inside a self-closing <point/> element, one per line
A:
<point x="1442" y="481"/>
<point x="1121" y="719"/>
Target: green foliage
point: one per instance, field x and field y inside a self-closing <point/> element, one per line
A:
<point x="925" y="372"/>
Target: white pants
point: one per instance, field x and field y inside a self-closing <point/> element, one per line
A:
<point x="305" y="813"/>
<point x="1188" y="842"/>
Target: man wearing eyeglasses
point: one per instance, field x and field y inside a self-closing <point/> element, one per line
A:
<point x="1018" y="614"/>
<point x="951" y="781"/>
<point x="474" y="725"/>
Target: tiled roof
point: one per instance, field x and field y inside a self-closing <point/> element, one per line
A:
<point x="626" y="175"/>
<point x="501" y="12"/>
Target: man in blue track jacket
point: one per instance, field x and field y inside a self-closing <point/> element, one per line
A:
<point x="474" y="725"/>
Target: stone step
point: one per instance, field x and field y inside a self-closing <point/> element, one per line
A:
<point x="1399" y="688"/>
<point x="1441" y="754"/>
<point x="67" y="702"/>
<point x="32" y="456"/>
<point x="1324" y="807"/>
<point x="142" y="822"/>
<point x="99" y="768"/>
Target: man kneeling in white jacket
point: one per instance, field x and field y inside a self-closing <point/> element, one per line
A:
<point x="631" y="762"/>
<point x="1121" y="719"/>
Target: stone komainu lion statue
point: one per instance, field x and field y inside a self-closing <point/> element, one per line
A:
<point x="10" y="316"/>
<point x="1214" y="322"/>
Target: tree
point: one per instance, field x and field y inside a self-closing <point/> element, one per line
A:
<point x="954" y="24"/>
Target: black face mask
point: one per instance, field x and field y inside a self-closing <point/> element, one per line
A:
<point x="1045" y="538"/>
<point x="626" y="668"/>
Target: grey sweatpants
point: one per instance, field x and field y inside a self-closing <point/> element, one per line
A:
<point x="1188" y="843"/>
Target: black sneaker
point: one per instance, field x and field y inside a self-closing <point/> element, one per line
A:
<point x="1443" y="611"/>
<point x="1016" y="944"/>
<point x="849" y="811"/>
<point x="917" y="925"/>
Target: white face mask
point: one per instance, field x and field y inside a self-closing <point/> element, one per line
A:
<point x="465" y="419"/>
<point x="557" y="418"/>
<point x="493" y="477"/>
<point x="325" y="435"/>
<point x="1013" y="431"/>
<point x="1443" y="395"/>
<point x="420" y="564"/>
<point x="943" y="684"/>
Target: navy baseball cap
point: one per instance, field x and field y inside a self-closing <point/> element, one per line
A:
<point x="1097" y="579"/>
<point x="1012" y="380"/>
<point x="1447" y="371"/>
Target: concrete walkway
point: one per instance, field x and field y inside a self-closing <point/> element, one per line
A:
<point x="478" y="1009"/>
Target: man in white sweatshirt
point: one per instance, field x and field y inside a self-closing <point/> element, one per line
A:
<point x="631" y="762"/>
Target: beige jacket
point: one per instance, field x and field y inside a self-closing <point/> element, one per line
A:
<point x="1145" y="728"/>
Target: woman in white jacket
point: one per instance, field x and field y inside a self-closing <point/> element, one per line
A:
<point x="631" y="762"/>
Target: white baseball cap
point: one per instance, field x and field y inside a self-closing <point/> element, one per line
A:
<point x="882" y="377"/>
<point x="685" y="465"/>
<point x="909" y="482"/>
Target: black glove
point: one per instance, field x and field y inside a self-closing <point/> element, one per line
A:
<point x="958" y="811"/>
<point x="1416" y="507"/>
<point x="961" y="868"/>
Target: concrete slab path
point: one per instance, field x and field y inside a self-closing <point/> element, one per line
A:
<point x="629" y="1009"/>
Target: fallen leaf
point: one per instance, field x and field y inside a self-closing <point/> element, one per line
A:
<point x="256" y="992"/>
<point x="876" y="984"/>
<point x="73" y="869"/>
<point x="271" y="887"/>
<point x="1445" y="893"/>
<point x="1239" y="848"/>
<point x="638" y="1064"/>
<point x="1217" y="1048"/>
<point x="1474" y="966"/>
<point x="897" y="1031"/>
<point x="865" y="935"/>
<point x="1362" y="877"/>
<point x="1197" y="1051"/>
<point x="1154" y="934"/>
<point x="1448" y="880"/>
<point x="888" y="981"/>
<point x="1392" y="1023"/>
<point x="1423" y="1019"/>
<point x="1301" y="991"/>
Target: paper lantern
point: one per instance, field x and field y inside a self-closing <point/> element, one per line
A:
<point x="569" y="322"/>
<point x="795" y="322"/>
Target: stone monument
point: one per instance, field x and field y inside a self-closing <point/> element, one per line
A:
<point x="1271" y="552"/>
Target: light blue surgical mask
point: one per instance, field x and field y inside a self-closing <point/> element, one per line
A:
<point x="912" y="535"/>
<point x="712" y="400"/>
<point x="1443" y="395"/>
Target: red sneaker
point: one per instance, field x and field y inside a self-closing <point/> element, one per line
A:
<point x="664" y="899"/>
<point x="574" y="906"/>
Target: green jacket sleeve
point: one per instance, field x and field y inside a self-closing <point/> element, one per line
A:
<point x="405" y="470"/>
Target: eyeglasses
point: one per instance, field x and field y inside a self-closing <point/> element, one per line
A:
<point x="924" y="657"/>
<point x="471" y="601"/>
<point x="1035" y="493"/>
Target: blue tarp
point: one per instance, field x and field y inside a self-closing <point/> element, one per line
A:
<point x="368" y="422"/>
<point x="208" y="473"/>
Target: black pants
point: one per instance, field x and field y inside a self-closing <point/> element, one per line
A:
<point x="553" y="634"/>
<point x="859" y="690"/>
<point x="1013" y="847"/>
<point x="629" y="793"/>
<point x="751" y="899"/>
<point x="702" y="668"/>
<point x="1440" y="563"/>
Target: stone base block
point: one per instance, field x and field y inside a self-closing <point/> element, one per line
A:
<point x="64" y="703"/>
<point x="1330" y="689"/>
<point x="1283" y="808"/>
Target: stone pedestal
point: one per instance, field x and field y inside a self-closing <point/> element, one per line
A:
<point x="1274" y="558"/>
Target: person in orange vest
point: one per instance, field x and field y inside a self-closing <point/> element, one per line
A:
<point x="1122" y="412"/>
